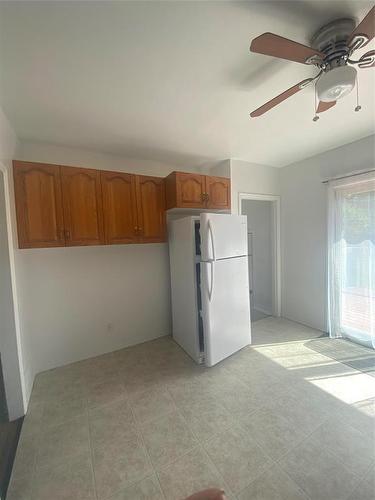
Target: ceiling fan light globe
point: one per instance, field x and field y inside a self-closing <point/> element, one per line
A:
<point x="336" y="83"/>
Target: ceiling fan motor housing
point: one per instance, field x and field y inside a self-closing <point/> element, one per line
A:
<point x="338" y="79"/>
<point x="332" y="41"/>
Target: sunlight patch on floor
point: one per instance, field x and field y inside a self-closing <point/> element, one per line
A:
<point x="331" y="376"/>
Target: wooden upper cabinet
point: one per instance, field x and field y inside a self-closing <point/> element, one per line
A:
<point x="83" y="209"/>
<point x="38" y="205"/>
<point x="185" y="190"/>
<point x="70" y="206"/>
<point x="218" y="192"/>
<point x="151" y="209"/>
<point x="119" y="207"/>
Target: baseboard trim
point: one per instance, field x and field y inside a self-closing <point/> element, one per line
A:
<point x="263" y="311"/>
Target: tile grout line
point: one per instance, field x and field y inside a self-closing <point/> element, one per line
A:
<point x="139" y="432"/>
<point x="239" y="425"/>
<point x="212" y="463"/>
<point x="265" y="472"/>
<point x="92" y="454"/>
<point x="292" y="449"/>
<point x="200" y="445"/>
<point x="126" y="399"/>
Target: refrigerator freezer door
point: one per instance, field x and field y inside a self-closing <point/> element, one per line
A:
<point x="185" y="312"/>
<point x="223" y="236"/>
<point x="226" y="308"/>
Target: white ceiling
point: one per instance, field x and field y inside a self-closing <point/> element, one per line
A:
<point x="171" y="81"/>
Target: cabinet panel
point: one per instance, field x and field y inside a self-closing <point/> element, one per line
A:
<point x="119" y="207"/>
<point x="151" y="209"/>
<point x="190" y="190"/>
<point x="38" y="204"/>
<point x="82" y="203"/>
<point x="187" y="190"/>
<point x="218" y="192"/>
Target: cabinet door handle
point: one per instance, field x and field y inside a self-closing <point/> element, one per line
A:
<point x="67" y="234"/>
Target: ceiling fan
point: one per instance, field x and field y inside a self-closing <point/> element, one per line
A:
<point x="331" y="50"/>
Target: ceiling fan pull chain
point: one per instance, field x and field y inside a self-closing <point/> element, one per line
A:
<point x="358" y="107"/>
<point x="316" y="117"/>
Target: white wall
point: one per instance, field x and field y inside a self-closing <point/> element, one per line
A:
<point x="85" y="301"/>
<point x="45" y="152"/>
<point x="220" y="169"/>
<point x="252" y="178"/>
<point x="304" y="228"/>
<point x="260" y="223"/>
<point x="13" y="362"/>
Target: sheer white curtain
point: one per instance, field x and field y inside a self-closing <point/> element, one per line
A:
<point x="351" y="258"/>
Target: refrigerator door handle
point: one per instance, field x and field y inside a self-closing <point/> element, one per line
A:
<point x="212" y="239"/>
<point x="211" y="289"/>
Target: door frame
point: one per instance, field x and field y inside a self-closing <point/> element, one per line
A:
<point x="19" y="406"/>
<point x="275" y="199"/>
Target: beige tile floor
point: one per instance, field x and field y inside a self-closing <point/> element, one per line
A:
<point x="279" y="420"/>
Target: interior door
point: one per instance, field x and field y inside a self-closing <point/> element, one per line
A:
<point x="218" y="192"/>
<point x="225" y="307"/>
<point x="223" y="236"/>
<point x="83" y="209"/>
<point x="39" y="205"/>
<point x="151" y="209"/>
<point x="119" y="207"/>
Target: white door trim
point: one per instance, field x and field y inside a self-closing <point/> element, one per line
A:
<point x="277" y="240"/>
<point x="22" y="397"/>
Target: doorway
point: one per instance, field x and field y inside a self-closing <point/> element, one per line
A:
<point x="351" y="258"/>
<point x="263" y="215"/>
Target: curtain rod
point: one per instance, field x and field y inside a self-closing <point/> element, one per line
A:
<point x="361" y="172"/>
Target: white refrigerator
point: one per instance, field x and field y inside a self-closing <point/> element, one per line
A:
<point x="210" y="285"/>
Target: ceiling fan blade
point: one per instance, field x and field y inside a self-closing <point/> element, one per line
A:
<point x="365" y="27"/>
<point x="278" y="46"/>
<point x="280" y="98"/>
<point x="324" y="106"/>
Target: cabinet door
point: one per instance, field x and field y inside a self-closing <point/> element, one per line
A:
<point x="119" y="207"/>
<point x="38" y="204"/>
<point x="151" y="209"/>
<point x="82" y="203"/>
<point x="190" y="190"/>
<point x="218" y="192"/>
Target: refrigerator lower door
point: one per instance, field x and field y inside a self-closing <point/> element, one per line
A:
<point x="223" y="236"/>
<point x="226" y="308"/>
